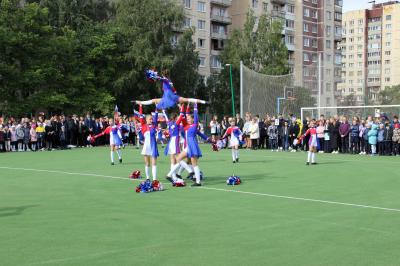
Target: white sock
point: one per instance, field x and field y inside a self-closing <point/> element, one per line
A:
<point x="137" y="143"/>
<point x="313" y="157"/>
<point x="162" y="143"/>
<point x="191" y="167"/>
<point x="197" y="174"/>
<point x="119" y="154"/>
<point x="233" y="154"/>
<point x="309" y="157"/>
<point x="112" y="156"/>
<point x="173" y="170"/>
<point x="147" y="169"/>
<point x="149" y="102"/>
<point x="182" y="163"/>
<point x="181" y="170"/>
<point x="173" y="174"/>
<point x="154" y="172"/>
<point x="237" y="154"/>
<point x="34" y="147"/>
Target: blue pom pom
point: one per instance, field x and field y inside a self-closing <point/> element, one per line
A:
<point x="151" y="75"/>
<point x="233" y="180"/>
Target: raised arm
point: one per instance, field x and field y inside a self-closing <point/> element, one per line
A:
<point x="106" y="131"/>
<point x="165" y="116"/>
<point x="155" y="118"/>
<point x="178" y="122"/>
<point x="204" y="136"/>
<point x="226" y="133"/>
<point x="196" y="120"/>
<point x="142" y="122"/>
<point x="305" y="134"/>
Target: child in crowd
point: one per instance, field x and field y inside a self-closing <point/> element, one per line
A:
<point x="367" y="146"/>
<point x="327" y="137"/>
<point x="1" y="138"/>
<point x="7" y="138"/>
<point x="14" y="138"/>
<point x="294" y="130"/>
<point x="20" y="137"/>
<point x="362" y="128"/>
<point x="285" y="136"/>
<point x="387" y="136"/>
<point x="381" y="143"/>
<point x="26" y="138"/>
<point x="321" y="135"/>
<point x="273" y="134"/>
<point x="373" y="138"/>
<point x="33" y="137"/>
<point x="396" y="140"/>
<point x="354" y="138"/>
<point x="63" y="138"/>
<point x="40" y="131"/>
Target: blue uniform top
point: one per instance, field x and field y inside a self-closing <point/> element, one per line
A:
<point x="169" y="98"/>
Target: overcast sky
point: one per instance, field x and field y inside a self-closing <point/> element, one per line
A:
<point x="351" y="5"/>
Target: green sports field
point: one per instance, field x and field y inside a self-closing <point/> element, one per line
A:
<point x="73" y="208"/>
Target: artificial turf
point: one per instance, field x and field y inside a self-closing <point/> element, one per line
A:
<point x="89" y="218"/>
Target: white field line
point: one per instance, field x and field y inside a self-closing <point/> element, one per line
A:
<point x="218" y="189"/>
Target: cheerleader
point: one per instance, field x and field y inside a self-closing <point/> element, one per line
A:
<point x="170" y="97"/>
<point x="115" y="139"/>
<point x="160" y="134"/>
<point x="192" y="150"/>
<point x="140" y="137"/>
<point x="150" y="149"/>
<point x="313" y="142"/>
<point x="235" y="134"/>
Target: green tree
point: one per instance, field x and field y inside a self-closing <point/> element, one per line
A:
<point x="390" y="95"/>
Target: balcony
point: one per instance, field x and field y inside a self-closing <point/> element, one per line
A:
<point x="219" y="36"/>
<point x="338" y="9"/>
<point x="222" y="2"/>
<point x="181" y="29"/>
<point x="278" y="14"/>
<point x="221" y="19"/>
<point x="290" y="61"/>
<point x="279" y="2"/>
<point x="290" y="46"/>
<point x="373" y="84"/>
<point x="337" y="80"/>
<point x="338" y="23"/>
<point x="338" y="93"/>
<point x="214" y="52"/>
<point x="337" y="51"/>
<point x="288" y="31"/>
<point x="338" y="37"/>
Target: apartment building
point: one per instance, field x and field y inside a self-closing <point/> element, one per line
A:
<point x="312" y="28"/>
<point x="370" y="50"/>
<point x="211" y="19"/>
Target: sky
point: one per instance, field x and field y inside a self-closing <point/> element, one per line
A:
<point x="351" y="5"/>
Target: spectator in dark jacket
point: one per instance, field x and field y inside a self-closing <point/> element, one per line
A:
<point x="344" y="130"/>
<point x="354" y="138"/>
<point x="240" y="125"/>
<point x="306" y="122"/>
<point x="49" y="137"/>
<point x="72" y="127"/>
<point x="294" y="130"/>
<point x="89" y="125"/>
<point x="63" y="138"/>
<point x="263" y="132"/>
<point x="387" y="135"/>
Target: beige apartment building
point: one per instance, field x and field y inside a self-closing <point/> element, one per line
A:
<point x="371" y="50"/>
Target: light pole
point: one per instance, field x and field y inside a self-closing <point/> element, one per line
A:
<point x="233" y="101"/>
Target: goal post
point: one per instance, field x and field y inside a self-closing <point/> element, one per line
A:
<point x="350" y="111"/>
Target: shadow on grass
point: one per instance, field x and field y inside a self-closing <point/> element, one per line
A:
<point x="12" y="211"/>
<point x="212" y="180"/>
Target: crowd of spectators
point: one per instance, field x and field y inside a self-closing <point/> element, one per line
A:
<point x="335" y="135"/>
<point x="59" y="132"/>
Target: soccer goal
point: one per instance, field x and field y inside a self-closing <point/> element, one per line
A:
<point x="362" y="112"/>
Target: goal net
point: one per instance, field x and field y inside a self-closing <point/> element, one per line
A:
<point x="362" y="112"/>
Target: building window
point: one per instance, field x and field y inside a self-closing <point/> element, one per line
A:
<point x="188" y="23"/>
<point x="215" y="62"/>
<point x="360" y="39"/>
<point x="202" y="6"/>
<point x="255" y="4"/>
<point x="387" y="53"/>
<point x="387" y="71"/>
<point x="305" y="56"/>
<point x="351" y="23"/>
<point x="373" y="28"/>
<point x="328" y="58"/>
<point x="359" y="98"/>
<point x="374" y="45"/>
<point x="388" y="26"/>
<point x="306" y="72"/>
<point x="314" y="43"/>
<point x="328" y="73"/>
<point x="388" y="17"/>
<point x="328" y="44"/>
<point x="360" y="21"/>
<point x="359" y="47"/>
<point x="314" y="86"/>
<point x="305" y="27"/>
<point x="359" y="81"/>
<point x="306" y="85"/>
<point x="359" y="64"/>
<point x="351" y="56"/>
<point x="351" y="82"/>
<point x="351" y="31"/>
<point x="314" y="14"/>
<point x="314" y="1"/>
<point x="369" y="80"/>
<point x="306" y="42"/>
<point x="360" y="30"/>
<point x="374" y="54"/>
<point x="314" y="72"/>
<point x="343" y="31"/>
<point x="188" y="4"/>
<point x="351" y="65"/>
<point x="351" y="48"/>
<point x="376" y="19"/>
<point x="351" y="39"/>
<point x="328" y="15"/>
<point x="314" y="29"/>
<point x="359" y="56"/>
<point x="351" y="73"/>
<point x="359" y="73"/>
<point x="174" y="39"/>
<point x="202" y="60"/>
<point x="202" y="25"/>
<point x="202" y="43"/>
<point x="387" y="79"/>
<point x="328" y="30"/>
<point x="373" y="62"/>
<point x="338" y="16"/>
<point x="265" y="6"/>
<point x="290" y="9"/>
<point x="314" y="57"/>
<point x="387" y="44"/>
<point x="256" y="21"/>
<point x="351" y="90"/>
<point x="359" y="89"/>
<point x="290" y="24"/>
<point x="328" y="87"/>
<point x="306" y="12"/>
<point x="374" y="71"/>
<point x="289" y="39"/>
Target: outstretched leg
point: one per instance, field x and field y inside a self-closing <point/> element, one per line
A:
<point x="149" y="102"/>
<point x="191" y="100"/>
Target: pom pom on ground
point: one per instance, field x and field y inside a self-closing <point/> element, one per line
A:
<point x="146" y="187"/>
<point x="233" y="180"/>
<point x="157" y="186"/>
<point x="179" y="182"/>
<point x="135" y="174"/>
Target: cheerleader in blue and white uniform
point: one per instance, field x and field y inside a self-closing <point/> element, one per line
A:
<point x="236" y="135"/>
<point x="149" y="130"/>
<point x="160" y="134"/>
<point x="170" y="97"/>
<point x="140" y="137"/>
<point x="192" y="150"/>
<point x="115" y="139"/>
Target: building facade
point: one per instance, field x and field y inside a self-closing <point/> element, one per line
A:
<point x="370" y="47"/>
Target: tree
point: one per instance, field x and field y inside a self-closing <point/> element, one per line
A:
<point x="390" y="95"/>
